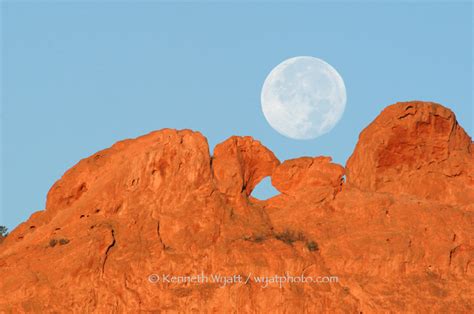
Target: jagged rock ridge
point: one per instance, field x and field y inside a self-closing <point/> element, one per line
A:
<point x="398" y="234"/>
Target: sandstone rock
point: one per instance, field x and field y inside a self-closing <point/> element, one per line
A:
<point x="415" y="148"/>
<point x="240" y="163"/>
<point x="398" y="234"/>
<point x="307" y="174"/>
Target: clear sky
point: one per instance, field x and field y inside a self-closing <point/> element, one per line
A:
<point x="79" y="76"/>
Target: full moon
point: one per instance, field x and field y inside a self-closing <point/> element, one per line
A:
<point x="303" y="98"/>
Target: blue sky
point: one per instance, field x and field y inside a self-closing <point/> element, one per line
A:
<point x="79" y="76"/>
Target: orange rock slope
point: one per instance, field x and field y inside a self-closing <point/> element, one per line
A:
<point x="397" y="232"/>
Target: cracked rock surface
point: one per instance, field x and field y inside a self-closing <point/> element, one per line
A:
<point x="397" y="232"/>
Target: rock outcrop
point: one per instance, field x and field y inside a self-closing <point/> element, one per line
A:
<point x="397" y="230"/>
<point x="409" y="139"/>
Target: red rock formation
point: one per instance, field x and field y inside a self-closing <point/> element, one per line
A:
<point x="398" y="234"/>
<point x="409" y="139"/>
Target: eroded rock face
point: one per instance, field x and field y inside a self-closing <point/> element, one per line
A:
<point x="305" y="174"/>
<point x="398" y="234"/>
<point x="239" y="164"/>
<point x="415" y="148"/>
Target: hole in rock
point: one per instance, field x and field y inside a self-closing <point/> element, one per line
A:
<point x="265" y="190"/>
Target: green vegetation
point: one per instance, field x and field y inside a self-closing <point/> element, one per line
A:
<point x="63" y="241"/>
<point x="289" y="237"/>
<point x="3" y="231"/>
<point x="312" y="246"/>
